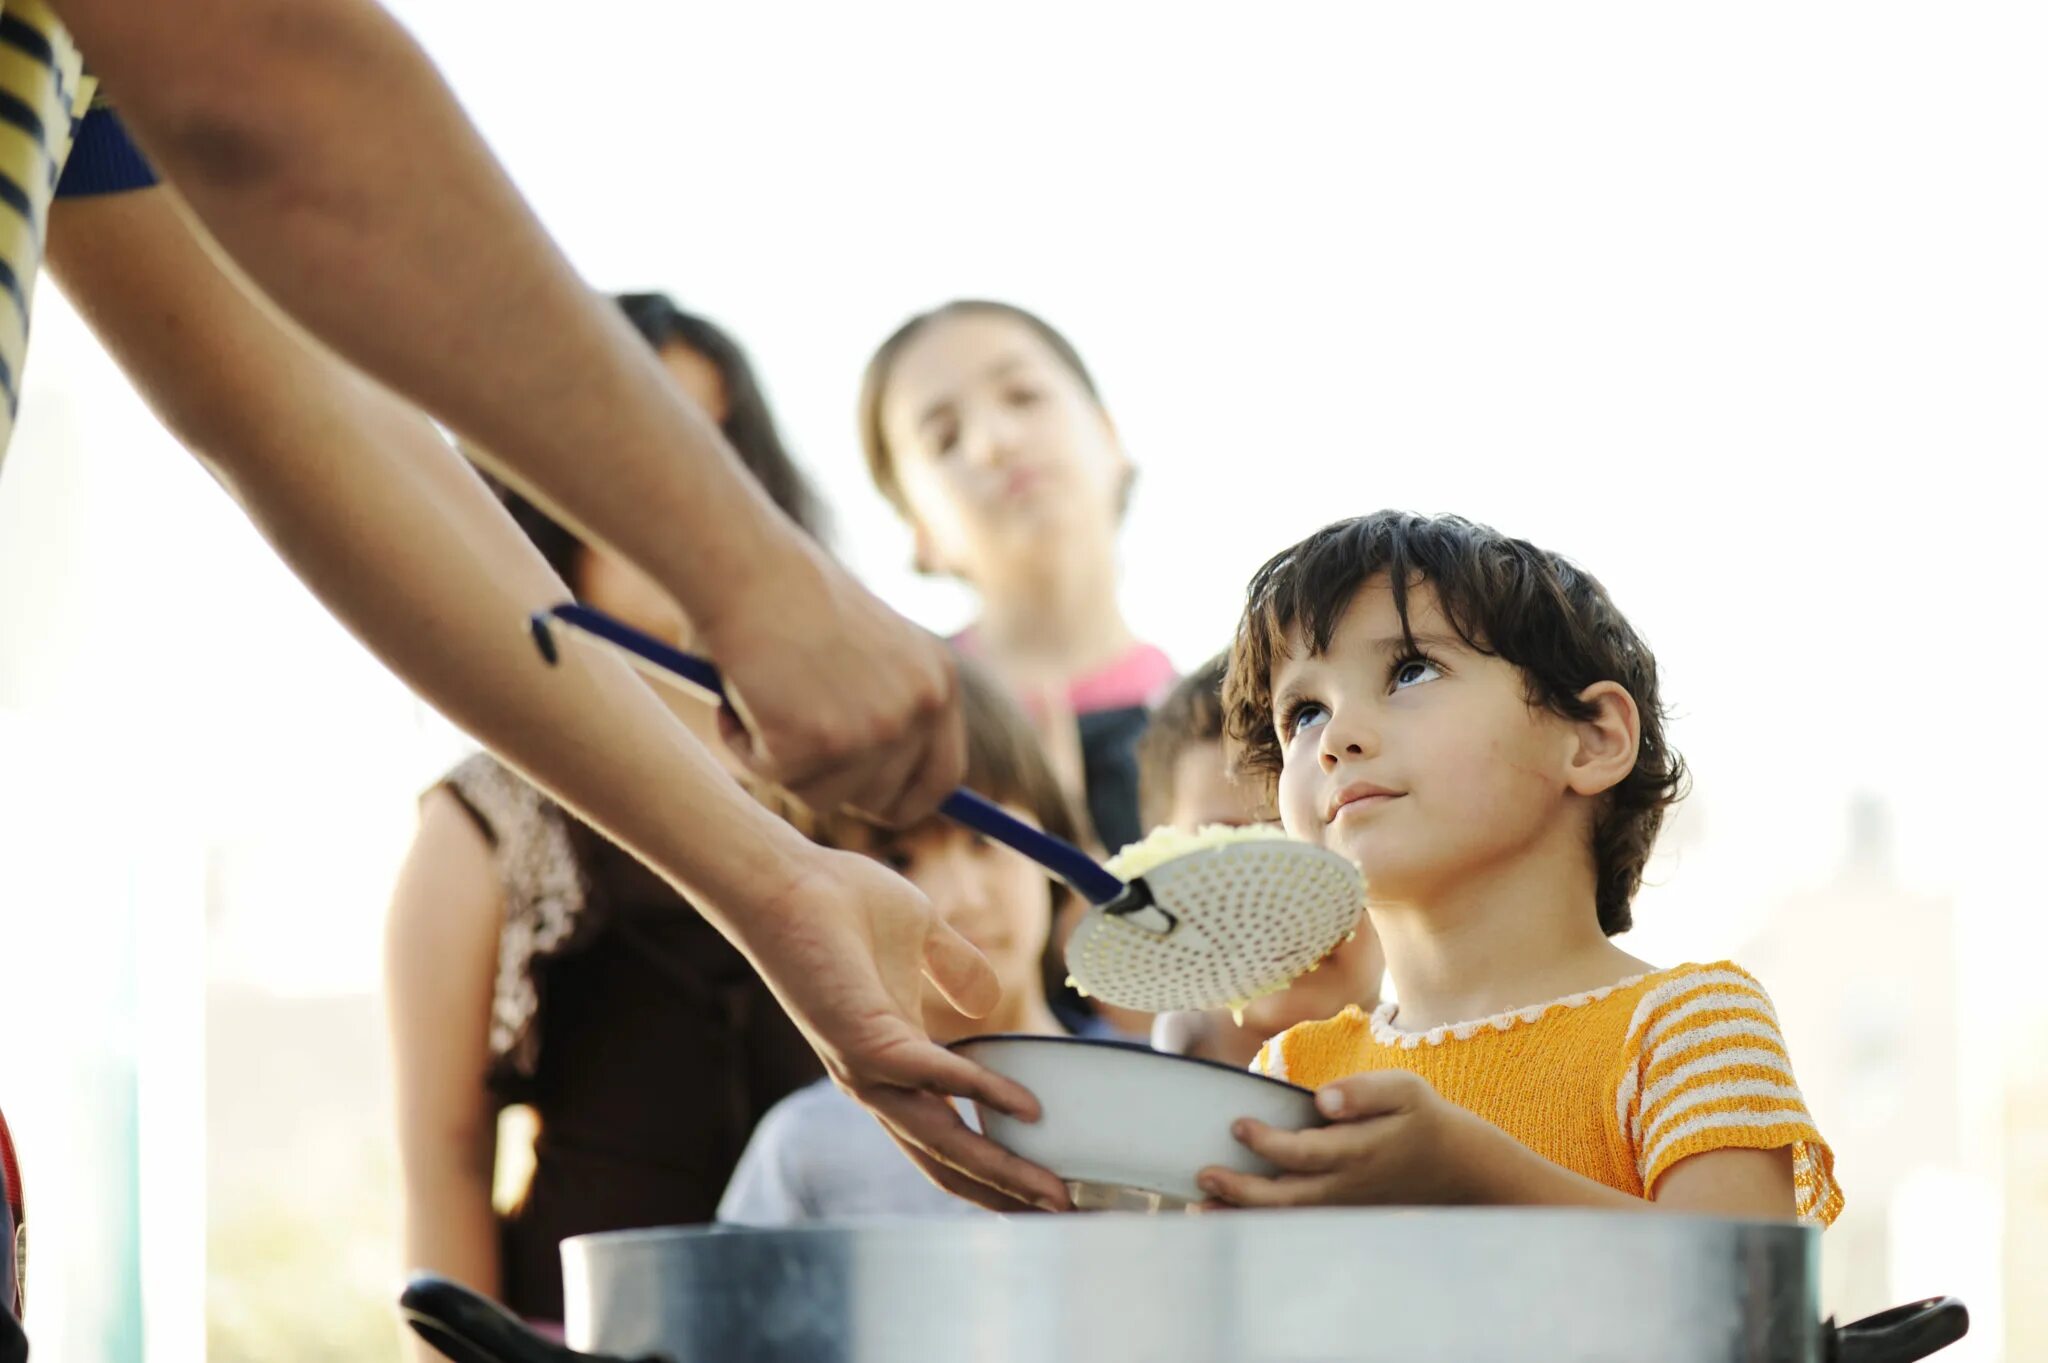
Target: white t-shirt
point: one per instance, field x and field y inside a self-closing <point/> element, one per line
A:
<point x="818" y="1156"/>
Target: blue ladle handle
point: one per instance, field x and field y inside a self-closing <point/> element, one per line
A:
<point x="963" y="806"/>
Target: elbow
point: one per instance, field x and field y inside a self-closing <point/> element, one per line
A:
<point x="236" y="110"/>
<point x="220" y="147"/>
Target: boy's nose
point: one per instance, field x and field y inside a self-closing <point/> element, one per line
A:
<point x="1350" y="741"/>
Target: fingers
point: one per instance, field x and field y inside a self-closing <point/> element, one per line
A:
<point x="933" y="1125"/>
<point x="889" y="770"/>
<point x="957" y="1183"/>
<point x="1234" y="1189"/>
<point x="824" y="784"/>
<point x="944" y="764"/>
<point x="1298" y="1152"/>
<point x="887" y="739"/>
<point x="961" y="972"/>
<point x="933" y="1070"/>
<point x="1376" y="1093"/>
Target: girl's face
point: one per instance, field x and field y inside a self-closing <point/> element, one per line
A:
<point x="994" y="898"/>
<point x="615" y="586"/>
<point x="998" y="446"/>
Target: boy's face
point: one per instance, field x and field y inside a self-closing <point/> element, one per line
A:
<point x="1203" y="792"/>
<point x="1428" y="771"/>
<point x="993" y="897"/>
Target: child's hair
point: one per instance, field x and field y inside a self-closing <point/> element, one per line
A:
<point x="1005" y="763"/>
<point x="1504" y="597"/>
<point x="1191" y="713"/>
<point x="748" y="426"/>
<point x="874" y="383"/>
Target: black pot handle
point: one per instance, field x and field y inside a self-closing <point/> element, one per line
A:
<point x="473" y="1329"/>
<point x="1901" y="1334"/>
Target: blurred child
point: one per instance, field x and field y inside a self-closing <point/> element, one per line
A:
<point x="818" y="1154"/>
<point x="1185" y="782"/>
<point x="985" y="431"/>
<point x="1472" y="721"/>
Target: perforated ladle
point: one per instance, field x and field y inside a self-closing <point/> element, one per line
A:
<point x="1208" y="929"/>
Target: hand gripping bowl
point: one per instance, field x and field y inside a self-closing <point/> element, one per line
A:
<point x="1129" y="1127"/>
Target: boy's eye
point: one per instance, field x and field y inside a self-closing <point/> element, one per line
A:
<point x="896" y="859"/>
<point x="1414" y="672"/>
<point x="1302" y="715"/>
<point x="1021" y="397"/>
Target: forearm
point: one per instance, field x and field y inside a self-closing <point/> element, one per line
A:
<point x="1523" y="1178"/>
<point x="325" y="153"/>
<point x="404" y="544"/>
<point x="451" y="1229"/>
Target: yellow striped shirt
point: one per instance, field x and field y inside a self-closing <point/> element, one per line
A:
<point x="44" y="91"/>
<point x="1618" y="1084"/>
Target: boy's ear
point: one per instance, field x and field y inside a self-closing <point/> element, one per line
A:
<point x="1605" y="745"/>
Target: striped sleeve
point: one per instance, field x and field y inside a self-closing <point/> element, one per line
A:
<point x="1271" y="1060"/>
<point x="1708" y="1070"/>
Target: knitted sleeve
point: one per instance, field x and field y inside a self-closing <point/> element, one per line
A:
<point x="1706" y="1069"/>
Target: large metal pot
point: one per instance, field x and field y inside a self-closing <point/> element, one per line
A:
<point x="1487" y="1285"/>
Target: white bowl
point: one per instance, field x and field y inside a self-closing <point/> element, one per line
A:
<point x="1129" y="1127"/>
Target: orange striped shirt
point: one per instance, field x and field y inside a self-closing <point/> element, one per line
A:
<point x="1618" y="1084"/>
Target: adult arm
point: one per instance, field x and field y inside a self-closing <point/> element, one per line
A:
<point x="400" y="539"/>
<point x="324" y="152"/>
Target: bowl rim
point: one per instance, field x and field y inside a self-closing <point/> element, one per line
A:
<point x="1117" y="1043"/>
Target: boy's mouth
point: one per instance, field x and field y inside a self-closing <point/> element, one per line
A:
<point x="1359" y="795"/>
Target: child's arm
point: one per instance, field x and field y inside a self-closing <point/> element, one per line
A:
<point x="1742" y="1183"/>
<point x="1393" y="1139"/>
<point x="441" y="956"/>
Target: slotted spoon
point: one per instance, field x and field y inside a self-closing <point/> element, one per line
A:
<point x="1209" y="929"/>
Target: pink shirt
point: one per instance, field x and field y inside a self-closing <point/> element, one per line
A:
<point x="1140" y="676"/>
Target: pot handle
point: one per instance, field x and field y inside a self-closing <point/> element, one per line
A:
<point x="1901" y="1334"/>
<point x="474" y="1329"/>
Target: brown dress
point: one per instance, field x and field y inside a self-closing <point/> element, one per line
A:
<point x="642" y="1039"/>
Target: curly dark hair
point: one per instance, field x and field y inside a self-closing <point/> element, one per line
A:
<point x="1505" y="598"/>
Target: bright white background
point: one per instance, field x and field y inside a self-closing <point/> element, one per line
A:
<point x="1741" y="307"/>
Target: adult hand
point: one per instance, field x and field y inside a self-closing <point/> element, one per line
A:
<point x="845" y="703"/>
<point x="846" y="951"/>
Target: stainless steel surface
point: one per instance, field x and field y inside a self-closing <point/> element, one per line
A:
<point x="1338" y="1286"/>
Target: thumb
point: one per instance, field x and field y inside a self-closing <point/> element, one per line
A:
<point x="962" y="973"/>
<point x="1376" y="1093"/>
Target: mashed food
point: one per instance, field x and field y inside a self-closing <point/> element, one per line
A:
<point x="1164" y="844"/>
